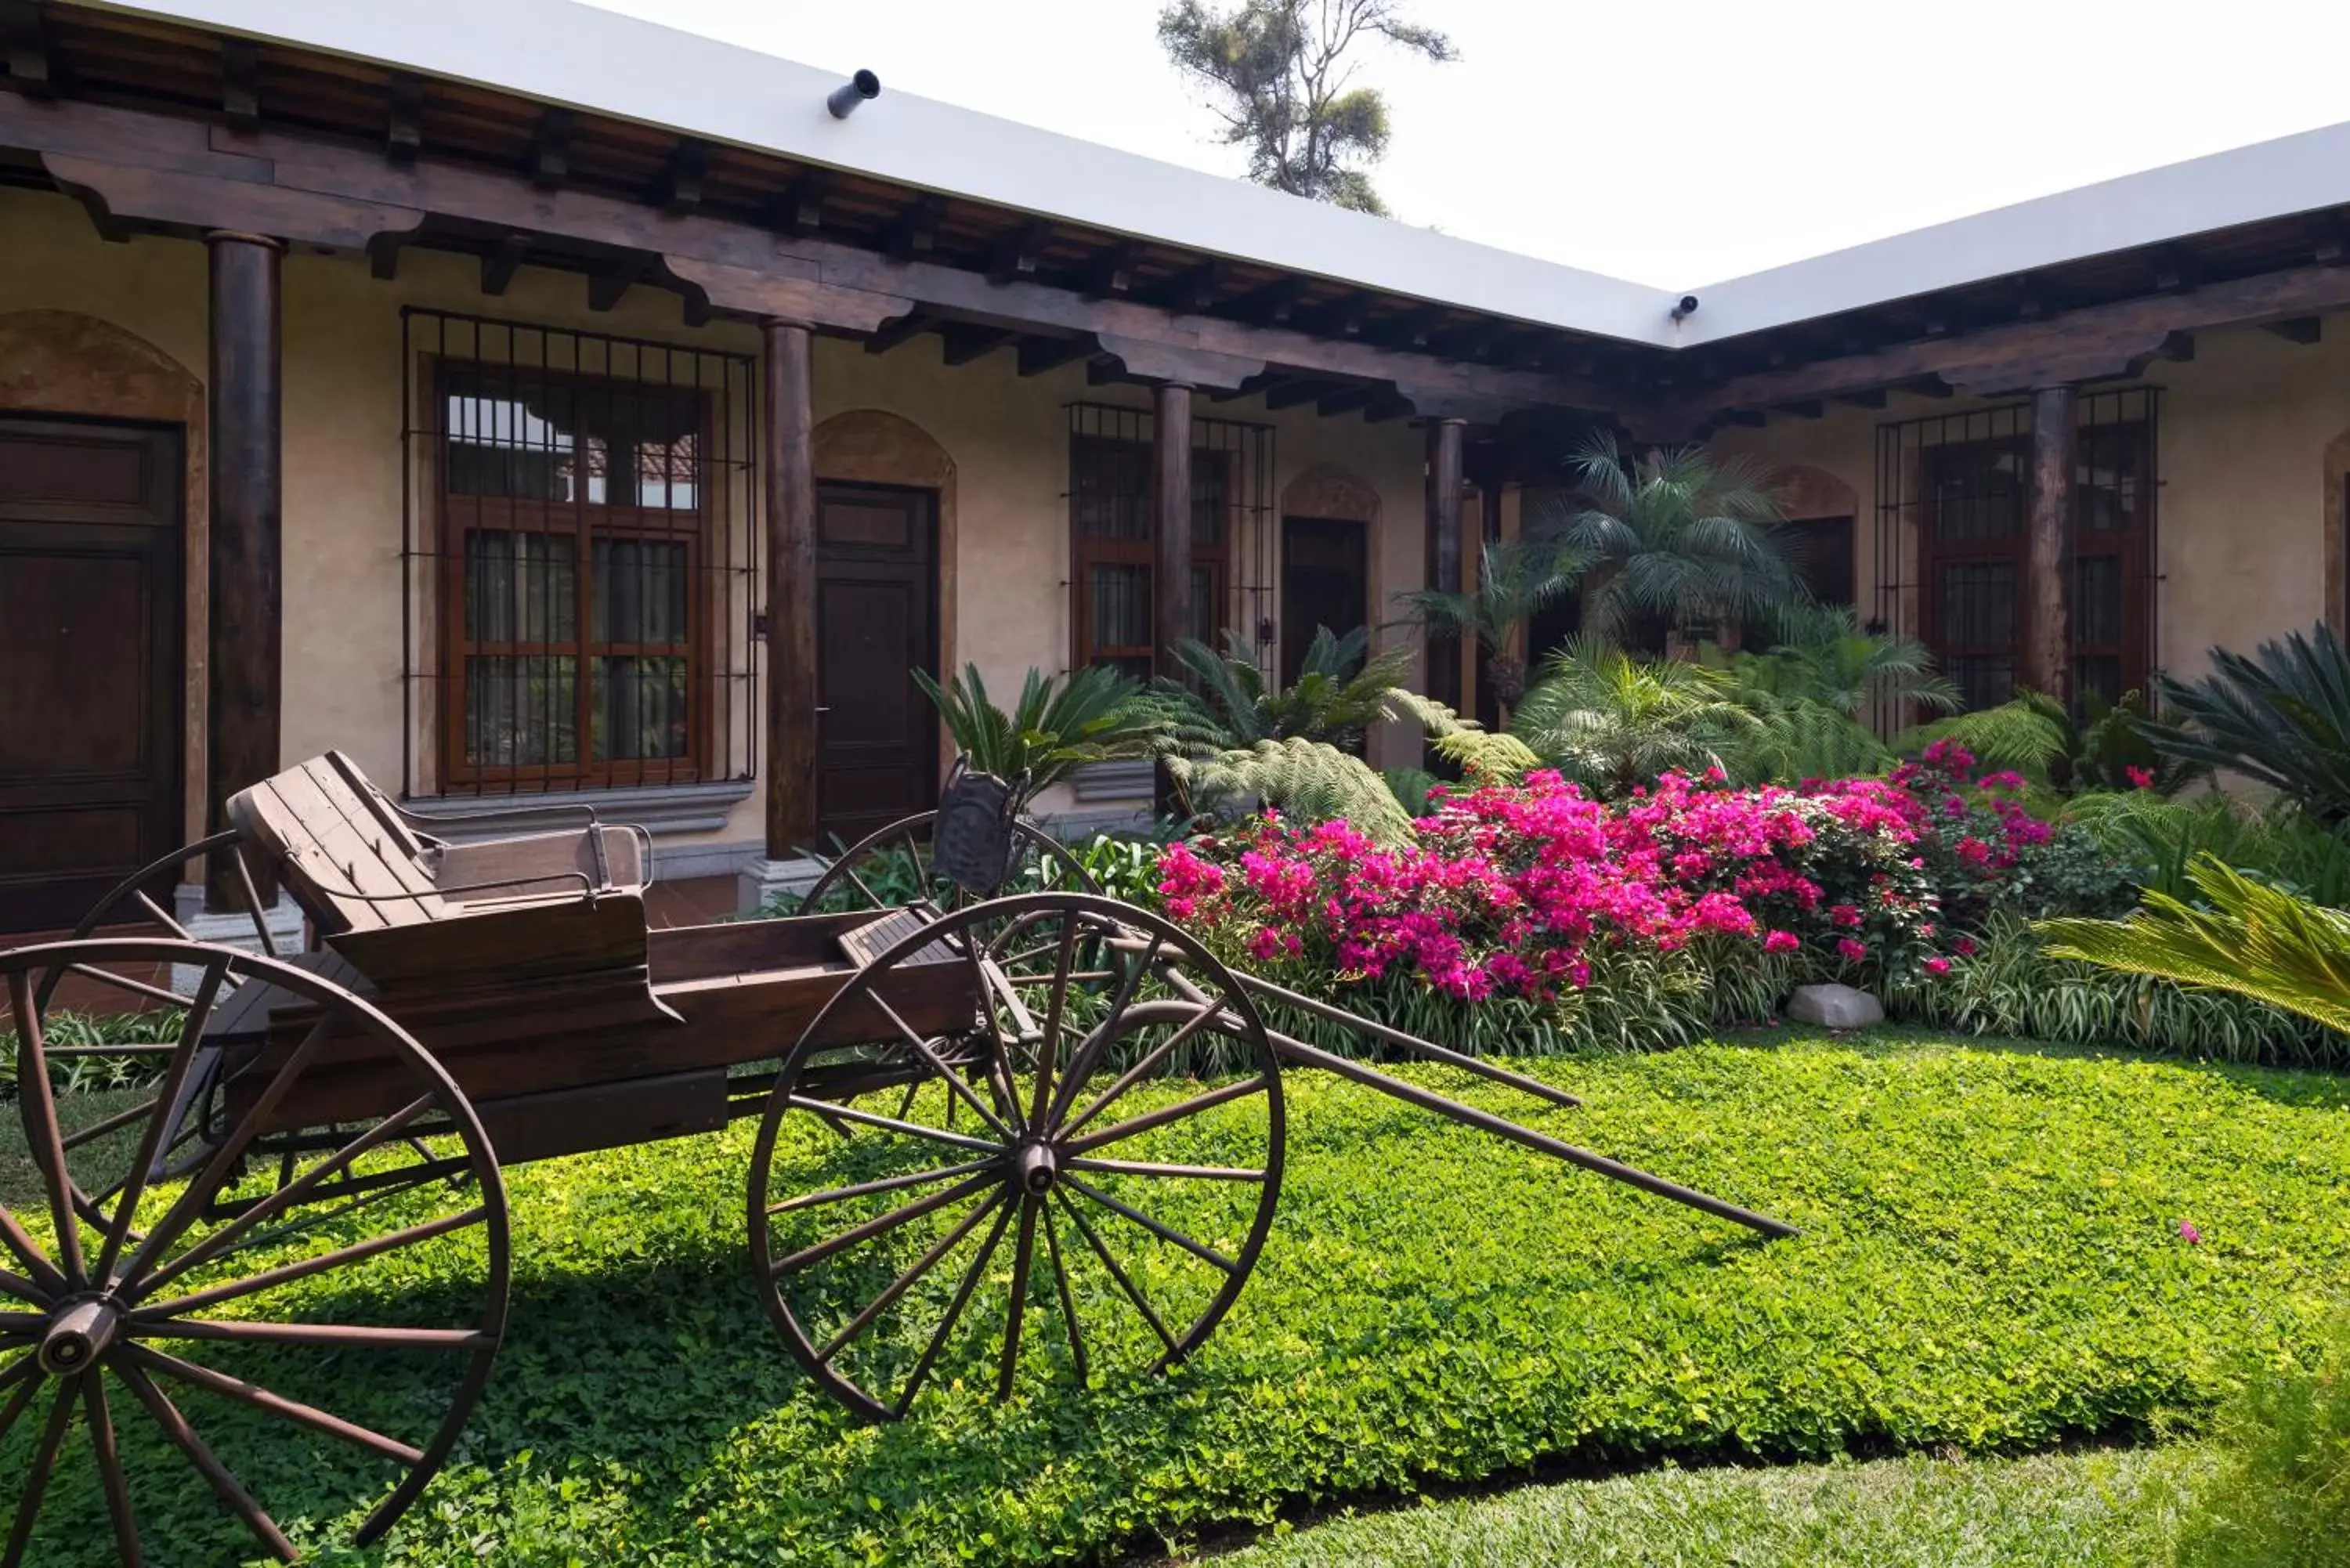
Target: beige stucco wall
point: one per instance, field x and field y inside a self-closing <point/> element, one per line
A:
<point x="1006" y="436"/>
<point x="2248" y="542"/>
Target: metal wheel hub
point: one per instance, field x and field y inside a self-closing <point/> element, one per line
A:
<point x="1035" y="1165"/>
<point x="79" y="1333"/>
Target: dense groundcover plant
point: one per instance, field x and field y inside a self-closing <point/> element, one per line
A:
<point x="1536" y="891"/>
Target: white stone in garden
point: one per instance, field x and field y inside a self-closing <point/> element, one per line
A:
<point x="1834" y="1007"/>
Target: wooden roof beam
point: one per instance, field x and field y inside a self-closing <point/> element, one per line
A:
<point x="800" y="209"/>
<point x="905" y="329"/>
<point x="608" y="285"/>
<point x="1347" y="399"/>
<point x="1111" y="276"/>
<point x="1196" y="288"/>
<point x="1289" y="394"/>
<point x="915" y="232"/>
<point x="1020" y="256"/>
<point x="2304" y="330"/>
<point x="1273" y="304"/>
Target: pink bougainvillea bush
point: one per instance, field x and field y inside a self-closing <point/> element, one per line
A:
<point x="1686" y="904"/>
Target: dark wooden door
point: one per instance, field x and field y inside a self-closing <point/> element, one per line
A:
<point x="1325" y="581"/>
<point x="90" y="662"/>
<point x="876" y="622"/>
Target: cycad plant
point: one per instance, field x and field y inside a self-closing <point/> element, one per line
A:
<point x="2239" y="935"/>
<point x="1341" y="689"/>
<point x="1517" y="578"/>
<point x="1678" y="536"/>
<point x="1822" y="655"/>
<point x="2280" y="718"/>
<point x="1095" y="714"/>
<point x="1611" y="721"/>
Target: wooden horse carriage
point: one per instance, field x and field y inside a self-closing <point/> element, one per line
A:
<point x="306" y="1207"/>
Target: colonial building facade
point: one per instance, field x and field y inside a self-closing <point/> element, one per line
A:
<point x="546" y="407"/>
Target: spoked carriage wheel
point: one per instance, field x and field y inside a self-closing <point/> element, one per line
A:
<point x="130" y="903"/>
<point x="1051" y="1161"/>
<point x="229" y="1296"/>
<point x="891" y="869"/>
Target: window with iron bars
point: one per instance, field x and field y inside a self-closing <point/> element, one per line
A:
<point x="1112" y="543"/>
<point x="1953" y="499"/>
<point x="579" y="568"/>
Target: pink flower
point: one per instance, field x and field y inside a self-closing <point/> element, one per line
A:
<point x="1937" y="966"/>
<point x="2143" y="778"/>
<point x="1781" y="942"/>
<point x="1853" y="952"/>
<point x="2189" y="1234"/>
<point x="1964" y="947"/>
<point x="1844" y="913"/>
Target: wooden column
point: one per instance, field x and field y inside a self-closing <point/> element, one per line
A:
<point x="788" y="449"/>
<point x="2047" y="630"/>
<point x="1443" y="563"/>
<point x="246" y="636"/>
<point x="1170" y="523"/>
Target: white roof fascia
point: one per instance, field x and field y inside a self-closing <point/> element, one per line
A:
<point x="2246" y="184"/>
<point x="574" y="55"/>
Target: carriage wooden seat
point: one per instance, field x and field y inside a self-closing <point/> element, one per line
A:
<point x="544" y="919"/>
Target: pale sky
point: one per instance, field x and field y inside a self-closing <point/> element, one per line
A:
<point x="1675" y="144"/>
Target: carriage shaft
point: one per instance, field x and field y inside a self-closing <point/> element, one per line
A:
<point x="1292" y="1049"/>
<point x="1411" y="1042"/>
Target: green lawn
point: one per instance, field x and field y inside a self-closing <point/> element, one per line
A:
<point x="2054" y="1510"/>
<point x="1991" y="1264"/>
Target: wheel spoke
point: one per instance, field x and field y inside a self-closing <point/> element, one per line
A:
<point x="1082" y="1066"/>
<point x="44" y="1273"/>
<point x="214" y="1174"/>
<point x="23" y="1288"/>
<point x="27" y="1374"/>
<point x="359" y="1336"/>
<point x="134" y="1183"/>
<point x="38" y="1107"/>
<point x="1022" y="1251"/>
<point x="880" y="1225"/>
<point x="1133" y="1292"/>
<point x="1055" y="1007"/>
<point x="110" y="1469"/>
<point x="885" y="1184"/>
<point x="261" y="1398"/>
<point x="167" y="921"/>
<point x="252" y="903"/>
<point x="1143" y="1068"/>
<point x="36" y="1480"/>
<point x="954" y="1312"/>
<point x="920" y="1266"/>
<point x="223" y="1484"/>
<point x="1165" y="1232"/>
<point x="955" y="1086"/>
<point x="357" y="1251"/>
<point x="1149" y="1167"/>
<point x="1165" y="1114"/>
<point x="1000" y="1068"/>
<point x="114" y="1123"/>
<point x="1069" y="1299"/>
<point x="293" y="1192"/>
<point x="891" y="1124"/>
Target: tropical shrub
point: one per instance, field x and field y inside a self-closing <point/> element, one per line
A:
<point x="1538" y="892"/>
<point x="1060" y="722"/>
<point x="2108" y="746"/>
<point x="1612" y="722"/>
<point x="2158" y="838"/>
<point x="1229" y="705"/>
<point x="2281" y="1495"/>
<point x="2280" y="718"/>
<point x="1310" y="779"/>
<point x="1516" y="580"/>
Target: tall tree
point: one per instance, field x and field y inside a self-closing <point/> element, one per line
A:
<point x="1279" y="78"/>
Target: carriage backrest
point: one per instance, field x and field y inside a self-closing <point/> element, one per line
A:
<point x="339" y="847"/>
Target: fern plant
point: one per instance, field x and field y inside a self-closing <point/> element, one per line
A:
<point x="1308" y="779"/>
<point x="1060" y="722"/>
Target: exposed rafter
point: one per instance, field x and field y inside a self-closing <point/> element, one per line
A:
<point x="916" y="230"/>
<point x="505" y="258"/>
<point x="1196" y="289"/>
<point x="800" y="209"/>
<point x="905" y="329"/>
<point x="35" y="67"/>
<point x="1020" y="257"/>
<point x="1273" y="304"/>
<point x="2302" y="329"/>
<point x="965" y="344"/>
<point x="679" y="188"/>
<point x="240" y="84"/>
<point x="1039" y="354"/>
<point x="1112" y="276"/>
<point x="403" y="130"/>
<point x="1347" y="399"/>
<point x="1303" y="389"/>
<point x="608" y="284"/>
<point x="550" y="154"/>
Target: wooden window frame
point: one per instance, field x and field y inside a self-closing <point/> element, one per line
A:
<point x="1088" y="551"/>
<point x="2131" y="546"/>
<point x="585" y="521"/>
